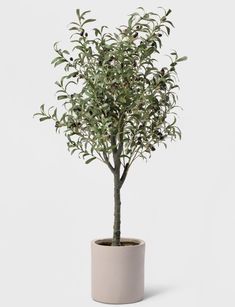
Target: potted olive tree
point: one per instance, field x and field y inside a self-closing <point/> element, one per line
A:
<point x="117" y="104"/>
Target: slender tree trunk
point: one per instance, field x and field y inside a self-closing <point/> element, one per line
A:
<point x="117" y="206"/>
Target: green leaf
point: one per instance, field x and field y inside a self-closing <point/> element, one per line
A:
<point x="184" y="58"/>
<point x="78" y="13"/>
<point x="85" y="154"/>
<point x="87" y="21"/>
<point x="42" y="108"/>
<point x="170" y="23"/>
<point x="103" y="27"/>
<point x="90" y="160"/>
<point x="55" y="45"/>
<point x="97" y="31"/>
<point x="168" y="12"/>
<point x="62" y="97"/>
<point x="130" y="22"/>
<point x="60" y="62"/>
<point x="60" y="91"/>
<point x="55" y="59"/>
<point x="146" y="16"/>
<point x="73" y="74"/>
<point x="73" y="28"/>
<point x="84" y="13"/>
<point x="44" y="118"/>
<point x="148" y="52"/>
<point x="37" y="114"/>
<point x="74" y="23"/>
<point x="54" y="115"/>
<point x="73" y="151"/>
<point x="58" y="84"/>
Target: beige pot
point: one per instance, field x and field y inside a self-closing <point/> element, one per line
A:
<point x="117" y="272"/>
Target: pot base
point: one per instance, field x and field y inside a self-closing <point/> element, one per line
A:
<point x="108" y="303"/>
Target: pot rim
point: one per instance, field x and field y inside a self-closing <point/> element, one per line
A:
<point x="139" y="241"/>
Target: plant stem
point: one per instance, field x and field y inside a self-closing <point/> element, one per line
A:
<point x="117" y="204"/>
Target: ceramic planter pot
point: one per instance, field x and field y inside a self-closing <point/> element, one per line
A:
<point x="117" y="272"/>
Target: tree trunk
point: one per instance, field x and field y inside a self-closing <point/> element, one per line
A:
<point x="117" y="207"/>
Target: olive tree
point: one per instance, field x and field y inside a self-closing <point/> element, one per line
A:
<point x="117" y="102"/>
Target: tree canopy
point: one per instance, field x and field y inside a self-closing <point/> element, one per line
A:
<point x="115" y="97"/>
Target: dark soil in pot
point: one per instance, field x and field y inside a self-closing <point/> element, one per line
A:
<point x="122" y="243"/>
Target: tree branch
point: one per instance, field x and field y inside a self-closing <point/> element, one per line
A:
<point x="120" y="148"/>
<point x="116" y="161"/>
<point x="124" y="174"/>
<point x="108" y="162"/>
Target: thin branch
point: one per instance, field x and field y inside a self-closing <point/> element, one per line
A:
<point x="108" y="162"/>
<point x="116" y="161"/>
<point x="124" y="174"/>
<point x="120" y="148"/>
<point x="101" y="158"/>
<point x="134" y="156"/>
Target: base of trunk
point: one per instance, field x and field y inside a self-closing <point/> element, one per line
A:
<point x="117" y="271"/>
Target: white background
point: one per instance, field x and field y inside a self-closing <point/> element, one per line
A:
<point x="181" y="202"/>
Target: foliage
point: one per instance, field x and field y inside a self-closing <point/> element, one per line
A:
<point x="115" y="97"/>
